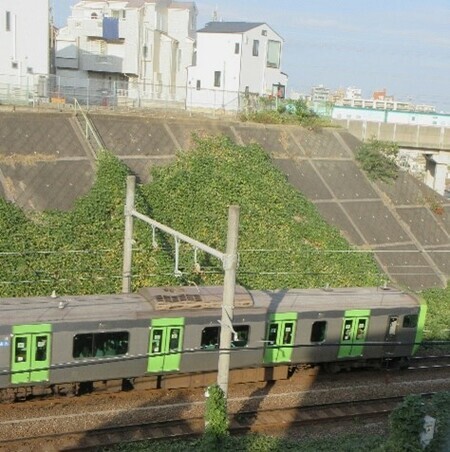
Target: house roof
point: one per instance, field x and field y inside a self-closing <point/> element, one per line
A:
<point x="229" y="27"/>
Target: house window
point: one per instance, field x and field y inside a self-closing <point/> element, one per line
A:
<point x="236" y="48"/>
<point x="217" y="76"/>
<point x="273" y="53"/>
<point x="14" y="65"/>
<point x="264" y="32"/>
<point x="255" y="47"/>
<point x="8" y="21"/>
<point x="198" y="85"/>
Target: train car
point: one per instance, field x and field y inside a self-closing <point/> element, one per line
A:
<point x="72" y="343"/>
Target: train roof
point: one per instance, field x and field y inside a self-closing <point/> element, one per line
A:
<point x="178" y="301"/>
<point x="141" y="305"/>
<point x="302" y="300"/>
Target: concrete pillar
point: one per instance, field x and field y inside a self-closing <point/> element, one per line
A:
<point x="437" y="171"/>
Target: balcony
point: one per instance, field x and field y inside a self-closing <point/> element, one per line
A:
<point x="101" y="63"/>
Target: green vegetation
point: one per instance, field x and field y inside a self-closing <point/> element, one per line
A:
<point x="76" y="252"/>
<point x="283" y="241"/>
<point x="406" y="423"/>
<point x="285" y="112"/>
<point x="377" y="159"/>
<point x="216" y="420"/>
<point x="260" y="443"/>
<point x="437" y="326"/>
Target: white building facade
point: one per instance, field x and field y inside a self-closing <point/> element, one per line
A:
<point x="126" y="51"/>
<point x="24" y="46"/>
<point x="235" y="61"/>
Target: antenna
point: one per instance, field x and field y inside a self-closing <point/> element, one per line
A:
<point x="215" y="14"/>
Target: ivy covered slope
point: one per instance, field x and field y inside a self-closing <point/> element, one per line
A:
<point x="283" y="241"/>
<point x="76" y="252"/>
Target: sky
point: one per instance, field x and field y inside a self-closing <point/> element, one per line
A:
<point x="402" y="46"/>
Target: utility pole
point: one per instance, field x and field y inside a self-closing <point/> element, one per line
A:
<point x="128" y="239"/>
<point x="229" y="286"/>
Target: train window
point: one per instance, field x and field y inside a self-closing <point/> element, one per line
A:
<point x="41" y="348"/>
<point x="21" y="350"/>
<point x="347" y="333"/>
<point x="273" y="333"/>
<point x="174" y="342"/>
<point x="410" y="321"/>
<point x="157" y="338"/>
<point x="287" y="333"/>
<point x="361" y="330"/>
<point x="210" y="337"/>
<point x="393" y="324"/>
<point x="318" y="331"/>
<point x="240" y="339"/>
<point x="100" y="344"/>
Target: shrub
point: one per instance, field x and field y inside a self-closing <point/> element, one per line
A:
<point x="377" y="159"/>
<point x="406" y="424"/>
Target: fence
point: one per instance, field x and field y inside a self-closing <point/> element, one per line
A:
<point x="34" y="89"/>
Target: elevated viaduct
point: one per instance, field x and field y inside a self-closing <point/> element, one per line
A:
<point x="431" y="142"/>
<point x="46" y="162"/>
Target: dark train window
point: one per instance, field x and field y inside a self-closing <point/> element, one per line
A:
<point x="100" y="344"/>
<point x="361" y="330"/>
<point x="287" y="333"/>
<point x="21" y="349"/>
<point x="272" y="334"/>
<point x="210" y="337"/>
<point x="41" y="348"/>
<point x="318" y="331"/>
<point x="174" y="341"/>
<point x="410" y="321"/>
<point x="157" y="338"/>
<point x="347" y="333"/>
<point x="240" y="339"/>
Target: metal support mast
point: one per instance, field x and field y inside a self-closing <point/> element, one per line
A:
<point x="229" y="263"/>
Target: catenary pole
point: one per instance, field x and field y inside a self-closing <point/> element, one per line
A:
<point x="128" y="239"/>
<point x="229" y="263"/>
<point x="229" y="286"/>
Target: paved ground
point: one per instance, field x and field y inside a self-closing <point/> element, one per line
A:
<point x="45" y="163"/>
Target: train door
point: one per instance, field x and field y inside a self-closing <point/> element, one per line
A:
<point x="354" y="332"/>
<point x="280" y="336"/>
<point x="30" y="357"/>
<point x="165" y="344"/>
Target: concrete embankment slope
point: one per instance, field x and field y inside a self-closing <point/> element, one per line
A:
<point x="45" y="163"/>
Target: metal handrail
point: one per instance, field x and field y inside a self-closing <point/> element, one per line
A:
<point x="89" y="130"/>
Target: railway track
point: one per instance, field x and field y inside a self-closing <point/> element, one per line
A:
<point x="265" y="420"/>
<point x="93" y="421"/>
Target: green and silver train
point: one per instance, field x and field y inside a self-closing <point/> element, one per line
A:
<point x="168" y="337"/>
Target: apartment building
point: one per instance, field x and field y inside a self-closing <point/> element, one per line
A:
<point x="25" y="46"/>
<point x="135" y="50"/>
<point x="235" y="61"/>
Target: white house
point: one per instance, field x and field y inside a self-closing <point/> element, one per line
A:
<point x="235" y="61"/>
<point x="24" y="46"/>
<point x="126" y="49"/>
